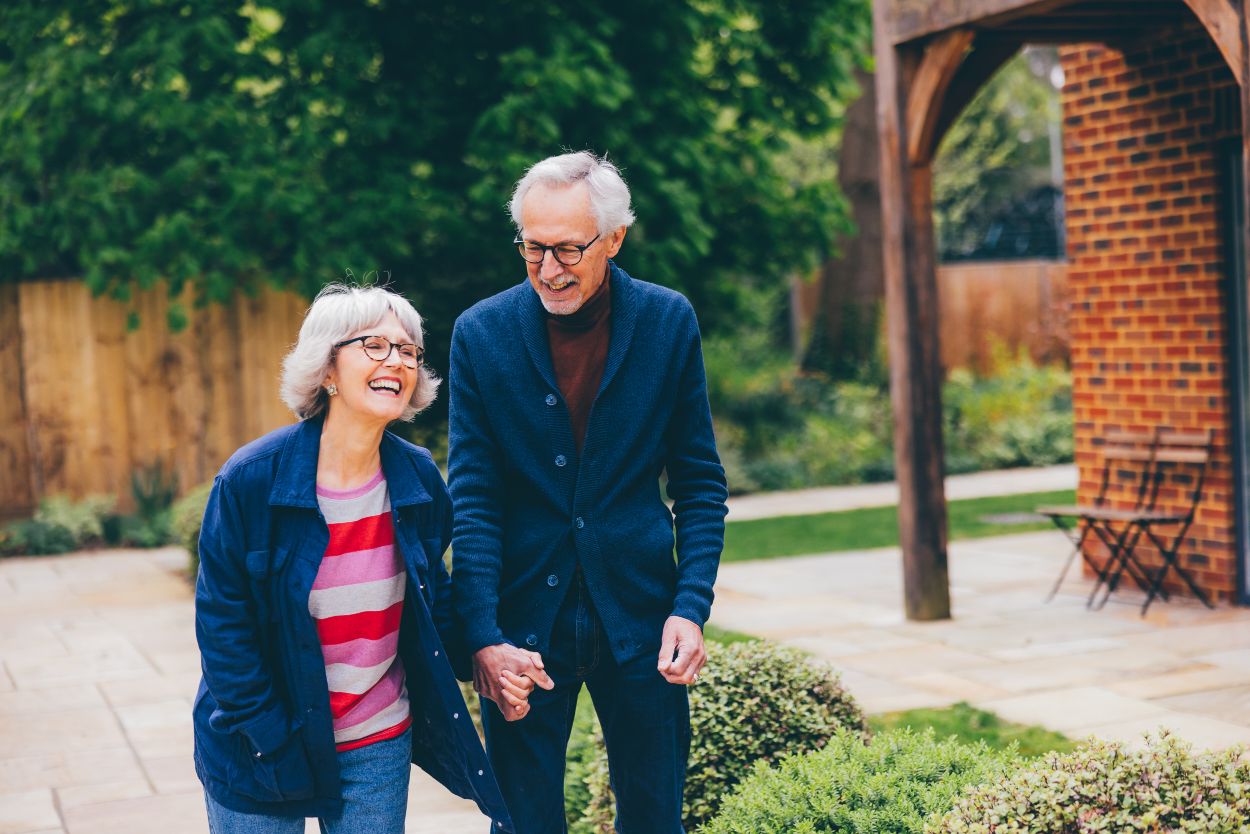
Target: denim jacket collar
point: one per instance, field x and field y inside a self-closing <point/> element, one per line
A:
<point x="295" y="483"/>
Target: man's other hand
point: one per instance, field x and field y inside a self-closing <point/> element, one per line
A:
<point x="682" y="654"/>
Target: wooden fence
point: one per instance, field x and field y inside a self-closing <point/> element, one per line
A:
<point x="1018" y="304"/>
<point x="88" y="402"/>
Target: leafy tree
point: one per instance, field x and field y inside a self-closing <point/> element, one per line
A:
<point x="225" y="143"/>
<point x="998" y="152"/>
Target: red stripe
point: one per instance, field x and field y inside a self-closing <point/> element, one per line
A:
<point x="363" y="534"/>
<point x="371" y="625"/>
<point x="381" y="735"/>
<point x="341" y="702"/>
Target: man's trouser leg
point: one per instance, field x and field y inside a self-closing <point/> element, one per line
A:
<point x="528" y="755"/>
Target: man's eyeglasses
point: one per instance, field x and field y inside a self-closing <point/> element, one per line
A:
<point x="569" y="254"/>
<point x="378" y="348"/>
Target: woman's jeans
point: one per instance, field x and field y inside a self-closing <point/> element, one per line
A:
<point x="375" y="796"/>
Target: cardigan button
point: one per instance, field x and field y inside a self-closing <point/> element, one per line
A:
<point x="553" y="581"/>
<point x="531" y="640"/>
<point x="578" y="523"/>
<point x="561" y="460"/>
<point x="551" y="399"/>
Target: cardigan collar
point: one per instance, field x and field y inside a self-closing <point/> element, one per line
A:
<point x="623" y="317"/>
<point x="295" y="483"/>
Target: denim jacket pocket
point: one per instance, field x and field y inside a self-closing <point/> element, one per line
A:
<point x="282" y="776"/>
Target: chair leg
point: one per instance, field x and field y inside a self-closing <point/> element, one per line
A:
<point x="1169" y="555"/>
<point x="1078" y="543"/>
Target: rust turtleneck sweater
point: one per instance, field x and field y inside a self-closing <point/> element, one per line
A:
<point x="579" y="350"/>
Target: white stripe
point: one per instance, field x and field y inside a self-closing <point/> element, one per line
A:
<point x="356" y="599"/>
<point x="343" y="677"/>
<point x="340" y="510"/>
<point x="384" y="720"/>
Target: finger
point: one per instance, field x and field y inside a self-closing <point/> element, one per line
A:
<point x="540" y="677"/>
<point x="682" y="663"/>
<point x="666" y="651"/>
<point x="512" y="699"/>
<point x="521" y="682"/>
<point x="535" y="658"/>
<point x="516" y="689"/>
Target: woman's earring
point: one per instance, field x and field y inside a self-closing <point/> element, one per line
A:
<point x="332" y="389"/>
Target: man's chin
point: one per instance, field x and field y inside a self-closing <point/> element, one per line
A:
<point x="561" y="306"/>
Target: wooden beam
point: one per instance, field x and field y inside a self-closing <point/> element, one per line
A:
<point x="907" y="20"/>
<point x="942" y="58"/>
<point x="911" y="307"/>
<point x="1223" y="23"/>
<point x="976" y="69"/>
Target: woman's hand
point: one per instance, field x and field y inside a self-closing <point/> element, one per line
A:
<point x="515" y="690"/>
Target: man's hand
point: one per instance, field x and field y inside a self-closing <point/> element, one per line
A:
<point x="507" y="675"/>
<point x="681" y="651"/>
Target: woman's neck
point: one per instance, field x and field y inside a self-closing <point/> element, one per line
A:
<point x="350" y="451"/>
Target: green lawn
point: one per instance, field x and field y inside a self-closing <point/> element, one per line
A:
<point x="969" y="724"/>
<point x="767" y="538"/>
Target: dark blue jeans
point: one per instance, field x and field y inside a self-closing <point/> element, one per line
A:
<point x="646" y="726"/>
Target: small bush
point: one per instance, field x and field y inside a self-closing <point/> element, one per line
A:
<point x="969" y="724"/>
<point x="1103" y="787"/>
<point x="58" y="526"/>
<point x="186" y="518"/>
<point x="756" y="702"/>
<point x="893" y="784"/>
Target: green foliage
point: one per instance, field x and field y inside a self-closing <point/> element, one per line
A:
<point x="969" y="724"/>
<point x="996" y="151"/>
<point x="153" y="489"/>
<point x="59" y="525"/>
<point x="226" y="143"/>
<point x="1166" y="787"/>
<point x="187" y="516"/>
<point x="756" y="702"/>
<point x="890" y="785"/>
<point x="870" y="527"/>
<point x="780" y="428"/>
<point x="1019" y="414"/>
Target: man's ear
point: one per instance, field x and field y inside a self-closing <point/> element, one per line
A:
<point x="615" y="240"/>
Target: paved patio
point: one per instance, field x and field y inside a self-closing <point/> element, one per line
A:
<point x="98" y="668"/>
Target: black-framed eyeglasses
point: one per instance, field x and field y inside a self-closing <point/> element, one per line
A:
<point x="569" y="254"/>
<point x="378" y="348"/>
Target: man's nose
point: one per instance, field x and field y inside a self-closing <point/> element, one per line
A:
<point x="550" y="267"/>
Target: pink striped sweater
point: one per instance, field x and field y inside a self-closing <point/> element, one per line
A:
<point x="357" y="600"/>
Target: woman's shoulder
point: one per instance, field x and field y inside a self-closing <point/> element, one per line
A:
<point x="258" y="455"/>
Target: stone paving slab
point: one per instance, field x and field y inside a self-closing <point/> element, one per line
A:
<point x="98" y="669"/>
<point x="1110" y="672"/>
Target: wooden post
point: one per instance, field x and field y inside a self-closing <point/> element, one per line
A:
<point x="911" y="307"/>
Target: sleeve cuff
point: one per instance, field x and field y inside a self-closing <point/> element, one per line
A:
<point x="268" y="732"/>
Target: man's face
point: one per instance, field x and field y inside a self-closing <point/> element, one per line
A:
<point x="553" y="215"/>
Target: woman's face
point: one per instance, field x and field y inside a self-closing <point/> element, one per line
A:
<point x="369" y="389"/>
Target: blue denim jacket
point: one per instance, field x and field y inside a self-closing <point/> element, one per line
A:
<point x="264" y="740"/>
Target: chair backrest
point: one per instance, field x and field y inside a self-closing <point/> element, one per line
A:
<point x="1127" y="467"/>
<point x="1181" y="458"/>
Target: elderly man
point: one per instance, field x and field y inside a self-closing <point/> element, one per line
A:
<point x="570" y="394"/>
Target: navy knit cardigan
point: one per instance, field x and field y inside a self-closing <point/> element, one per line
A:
<point x="529" y="509"/>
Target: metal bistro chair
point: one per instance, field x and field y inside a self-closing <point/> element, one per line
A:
<point x="1127" y="470"/>
<point x="1181" y="461"/>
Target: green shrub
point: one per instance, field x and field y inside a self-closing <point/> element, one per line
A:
<point x="756" y="702"/>
<point x="186" y="518"/>
<point x="779" y="428"/>
<point x="1103" y="787"/>
<point x="969" y="724"/>
<point x="59" y="525"/>
<point x="892" y="784"/>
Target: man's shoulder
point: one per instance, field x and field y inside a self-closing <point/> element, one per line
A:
<point x="496" y="309"/>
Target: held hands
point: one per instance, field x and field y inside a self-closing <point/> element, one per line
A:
<point x="507" y="675"/>
<point x="682" y="654"/>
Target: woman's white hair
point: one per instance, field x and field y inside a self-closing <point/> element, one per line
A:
<point x="609" y="195"/>
<point x="337" y="312"/>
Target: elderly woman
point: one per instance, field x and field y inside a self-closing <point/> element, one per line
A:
<point x="322" y="604"/>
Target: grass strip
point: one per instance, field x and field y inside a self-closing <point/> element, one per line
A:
<point x="769" y="538"/>
<point x="969" y="724"/>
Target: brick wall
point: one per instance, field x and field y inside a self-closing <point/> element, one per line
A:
<point x="1143" y="128"/>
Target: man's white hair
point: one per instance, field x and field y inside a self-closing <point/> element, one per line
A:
<point x="337" y="312"/>
<point x="609" y="195"/>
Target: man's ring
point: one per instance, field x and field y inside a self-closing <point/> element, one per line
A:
<point x="696" y="677"/>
